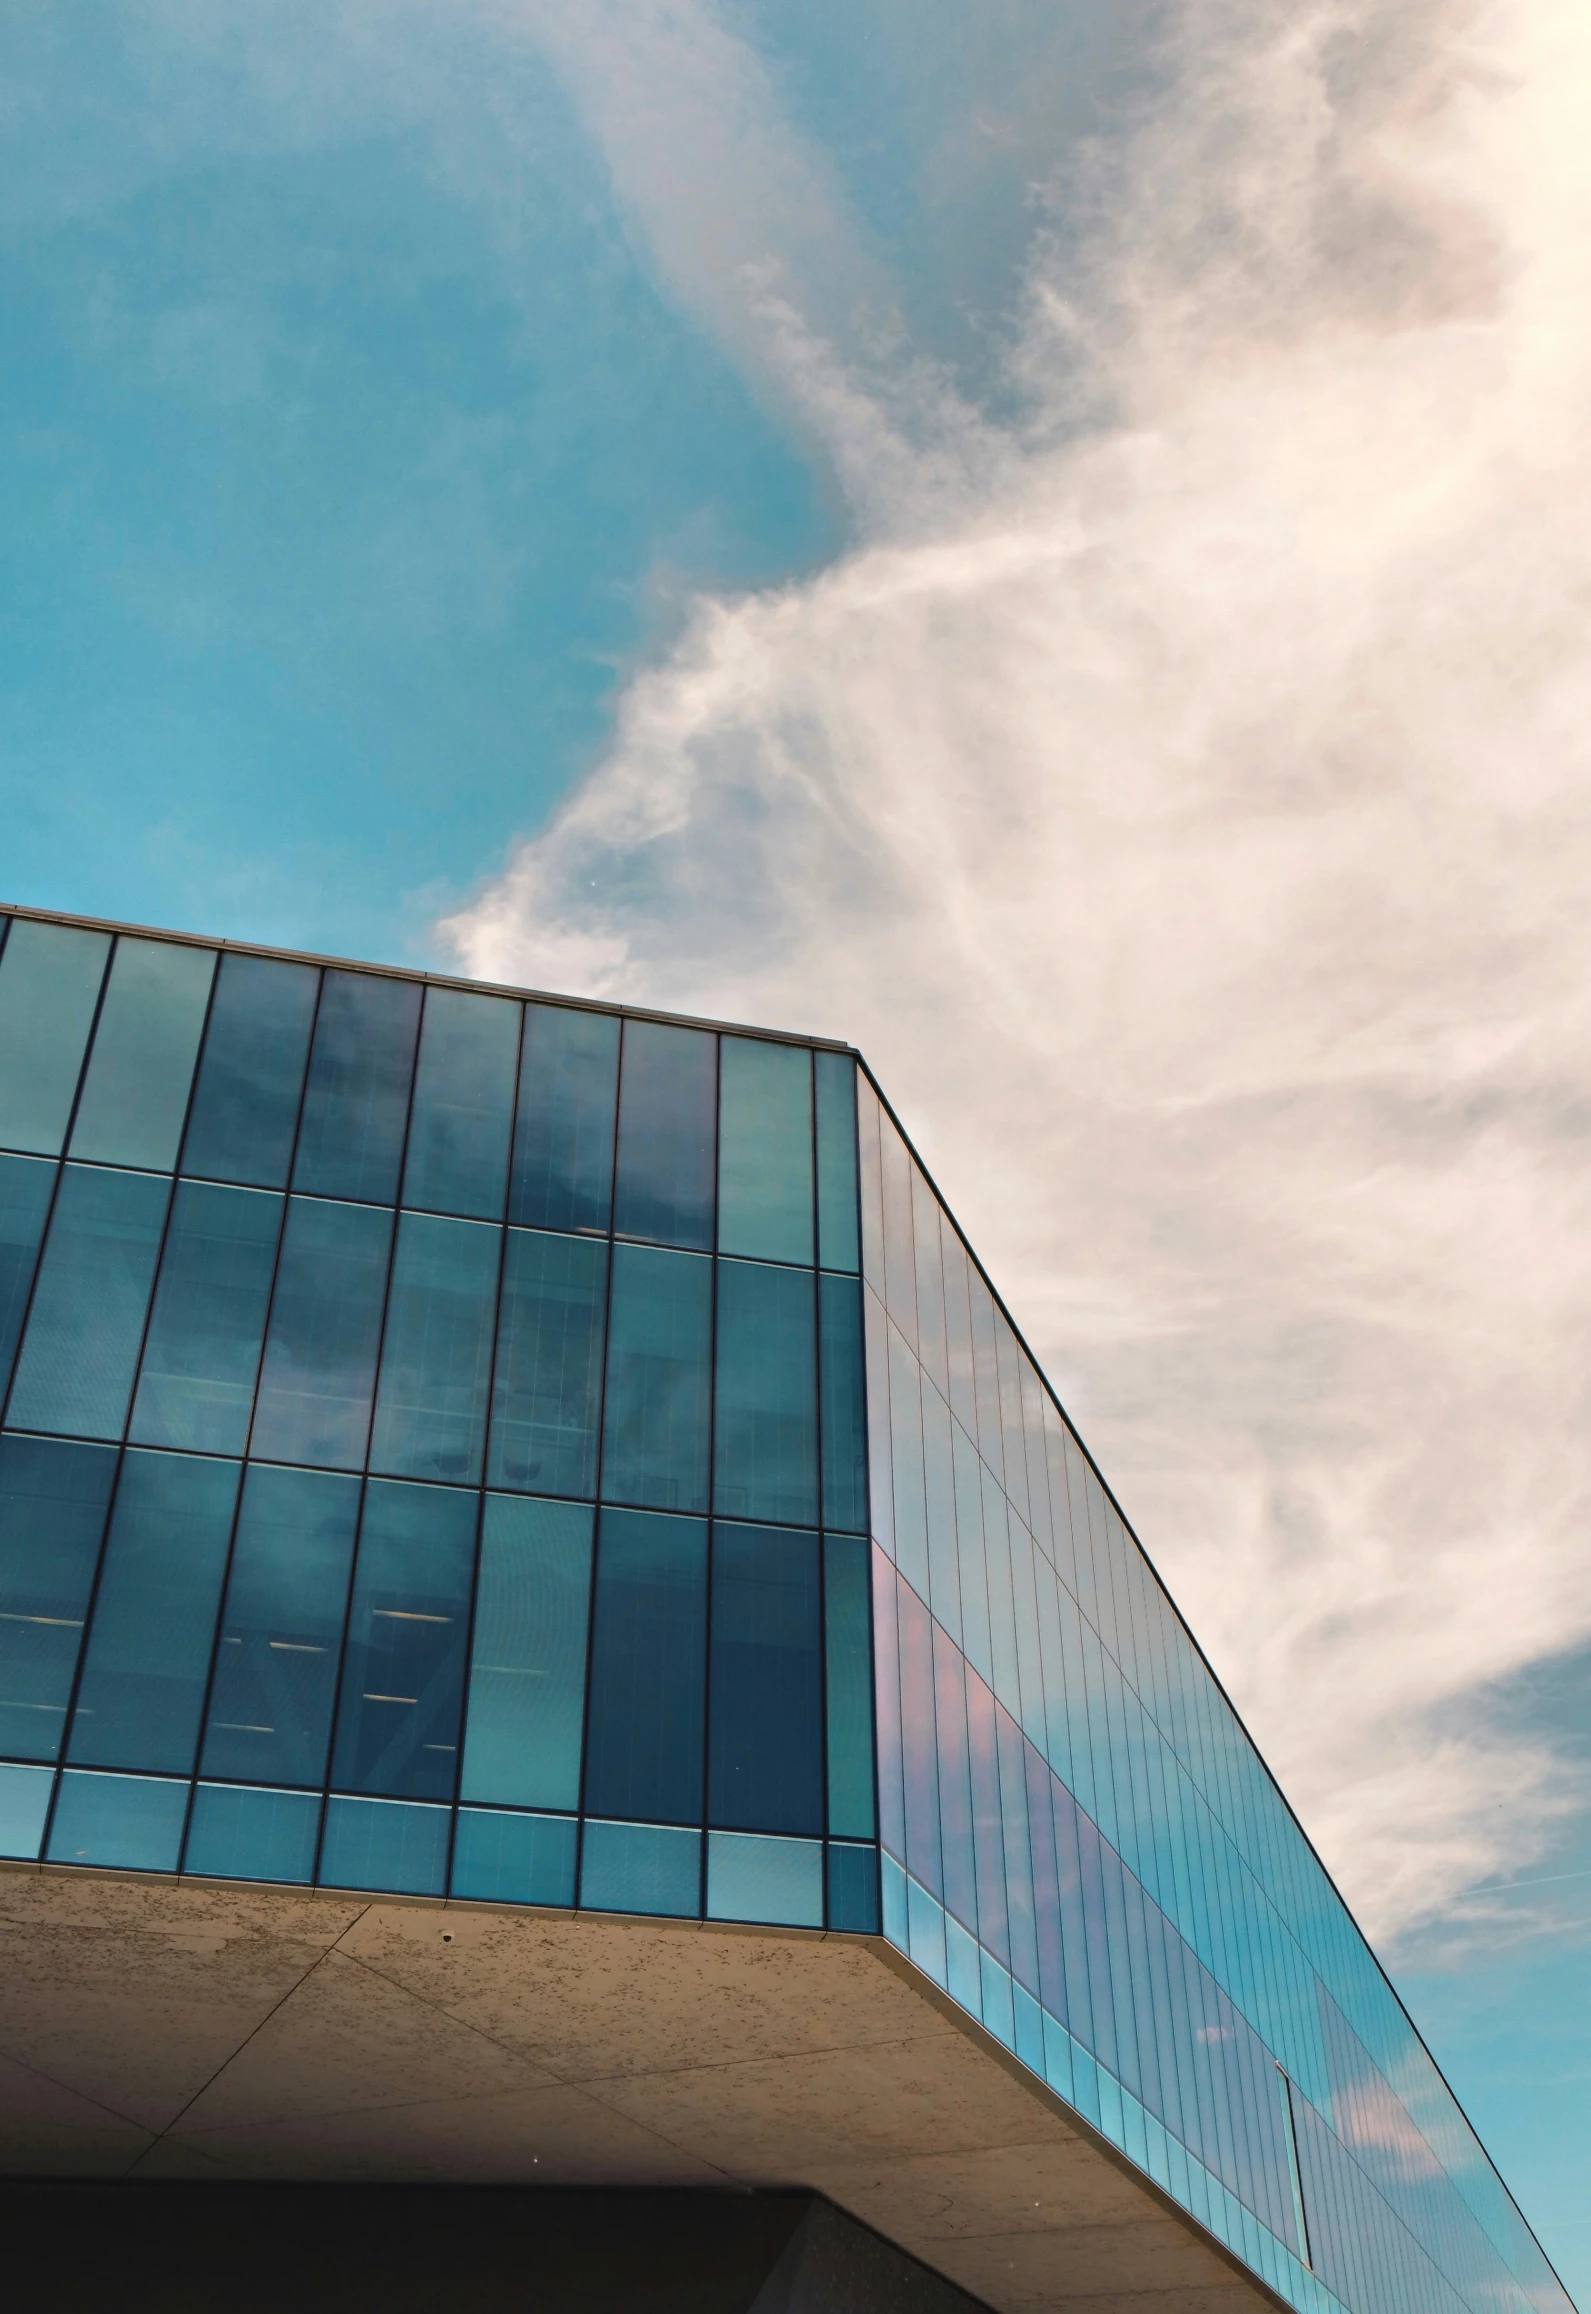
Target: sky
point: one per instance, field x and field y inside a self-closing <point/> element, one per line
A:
<point x="1045" y="539"/>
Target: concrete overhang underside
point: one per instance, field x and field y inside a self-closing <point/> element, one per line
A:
<point x="182" y="2030"/>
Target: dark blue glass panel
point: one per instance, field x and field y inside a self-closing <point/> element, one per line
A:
<point x="53" y="1499"/>
<point x="955" y="1781"/>
<point x="765" y="1698"/>
<point x="148" y="1657"/>
<point x="281" y="1628"/>
<point x="251" y="1074"/>
<point x="654" y="1447"/>
<point x="765" y="1149"/>
<point x="503" y="1858"/>
<point x="648" y="1669"/>
<point x="436" y="1358"/>
<point x="988" y="1831"/>
<point x="849" y="1687"/>
<point x="838" y="1247"/>
<point x="563" y="1140"/>
<point x="320" y="1354"/>
<point x="844" y="1404"/>
<point x="25" y="1186"/>
<point x="853" y="1889"/>
<point x="403" y="1672"/>
<point x="236" y="1833"/>
<point x="196" y="1383"/>
<point x="547" y="1388"/>
<point x="919" y="1741"/>
<point x="135" y="1093"/>
<point x="528" y="1662"/>
<point x="49" y="985"/>
<point x="667" y="1097"/>
<point x="126" y="1823"/>
<point x="75" y="1371"/>
<point x="765" y="1460"/>
<point x="356" y="1108"/>
<point x="649" y="1868"/>
<point x="386" y="1844"/>
<point x="463" y="1111"/>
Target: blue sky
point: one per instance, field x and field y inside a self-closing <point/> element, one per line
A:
<point x="962" y="528"/>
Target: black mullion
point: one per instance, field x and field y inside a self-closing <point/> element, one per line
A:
<point x="596" y="1508"/>
<point x="712" y="1482"/>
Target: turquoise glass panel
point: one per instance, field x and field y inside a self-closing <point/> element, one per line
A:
<point x="844" y="1408"/>
<point x="765" y="1708"/>
<point x="463" y="1111"/>
<point x="751" y="1877"/>
<point x="547" y="1386"/>
<point x="392" y="1845"/>
<point x="563" y="1137"/>
<point x="50" y="978"/>
<point x="238" y="1832"/>
<point x="24" y="1805"/>
<point x="80" y="1351"/>
<point x="403" y="1673"/>
<point x="667" y="1104"/>
<point x="654" y="1448"/>
<point x="53" y="1500"/>
<point x="646" y="1868"/>
<point x="849" y="1686"/>
<point x="765" y="1460"/>
<point x="528" y="1661"/>
<point x="319" y="1371"/>
<point x="356" y="1105"/>
<point x="764" y="1150"/>
<point x="853" y="1889"/>
<point x="196" y="1382"/>
<point x="835" y="1079"/>
<point x="26" y="1185"/>
<point x="648" y="1669"/>
<point x="251" y="1075"/>
<point x="503" y="1858"/>
<point x="126" y="1823"/>
<point x="135" y="1092"/>
<point x="436" y="1358"/>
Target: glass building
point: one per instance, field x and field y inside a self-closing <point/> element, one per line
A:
<point x="473" y="1446"/>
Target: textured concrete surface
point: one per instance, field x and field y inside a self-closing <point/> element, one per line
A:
<point x="157" y="2029"/>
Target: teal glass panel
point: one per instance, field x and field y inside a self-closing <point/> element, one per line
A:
<point x="356" y="1105"/>
<point x="463" y="1112"/>
<point x="251" y="1074"/>
<point x="646" y="1868"/>
<point x="563" y="1137"/>
<point x="196" y="1383"/>
<point x="24" y="1804"/>
<point x="853" y="1890"/>
<point x="238" y="1832"/>
<point x="79" y="1354"/>
<point x="436" y="1358"/>
<point x="49" y="985"/>
<point x="648" y="1669"/>
<point x="25" y="1187"/>
<point x="281" y="1627"/>
<point x="528" y="1662"/>
<point x="654" y="1448"/>
<point x="751" y="1877"/>
<point x="849" y="1692"/>
<point x="869" y="1120"/>
<point x="128" y="1823"/>
<point x="503" y="1858"/>
<point x="764" y="1149"/>
<point x="838" y="1244"/>
<point x="135" y="1094"/>
<point x="547" y="1387"/>
<point x="53" y="1501"/>
<point x="319" y="1370"/>
<point x="765" y="1461"/>
<point x="667" y="1101"/>
<point x="403" y="1674"/>
<point x="765" y="1695"/>
<point x="844" y="1403"/>
<point x="391" y="1845"/>
<point x="148" y="1655"/>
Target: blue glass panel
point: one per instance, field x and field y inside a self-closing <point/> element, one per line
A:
<point x="1018" y="1853"/>
<point x="645" y="1868"/>
<point x="436" y="1358"/>
<point x="251" y="1075"/>
<point x="848" y="1687"/>
<point x="654" y="1447"/>
<point x="955" y="1782"/>
<point x="463" y="1111"/>
<point x="49" y="985"/>
<point x="765" y="1150"/>
<point x="900" y="1260"/>
<point x="939" y="1498"/>
<point x="528" y="1661"/>
<point x="886" y="1693"/>
<point x="958" y="1333"/>
<point x="853" y="1889"/>
<point x="974" y="1591"/>
<point x="765" y="1695"/>
<point x="129" y="1823"/>
<point x="403" y="1673"/>
<point x="906" y="1464"/>
<point x="838" y="1244"/>
<point x="148" y="1656"/>
<point x="880" y="1475"/>
<point x="755" y="1878"/>
<point x="386" y="1844"/>
<point x="930" y="1281"/>
<point x="1013" y="1449"/>
<point x="919" y="1741"/>
<point x="988" y="1831"/>
<point x="843" y="1403"/>
<point x="26" y="1184"/>
<point x="135" y="1094"/>
<point x="765" y="1435"/>
<point x="281" y="1627"/>
<point x="24" y="1805"/>
<point x="1046" y="1886"/>
<point x="53" y="1500"/>
<point x="503" y="1858"/>
<point x="667" y="1097"/>
<point x="320" y="1354"/>
<point x="547" y="1387"/>
<point x="563" y="1140"/>
<point x="196" y="1383"/>
<point x="356" y="1107"/>
<point x="238" y="1832"/>
<point x="75" y="1371"/>
<point x="963" y="1966"/>
<point x="648" y="1669"/>
<point x="869" y="1187"/>
<point x="986" y="1373"/>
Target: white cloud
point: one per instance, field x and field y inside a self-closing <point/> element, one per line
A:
<point x="1182" y="797"/>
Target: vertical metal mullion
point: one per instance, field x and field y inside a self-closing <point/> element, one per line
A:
<point x="867" y="1499"/>
<point x="822" y="1520"/>
<point x="712" y="1480"/>
<point x="602" y="1441"/>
